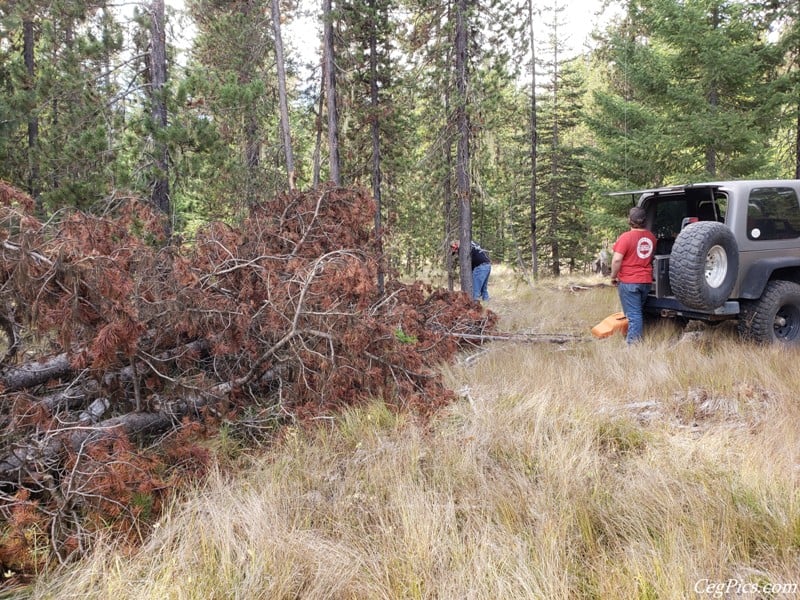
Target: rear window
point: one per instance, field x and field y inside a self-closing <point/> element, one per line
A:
<point x="668" y="215"/>
<point x="671" y="213"/>
<point x="773" y="213"/>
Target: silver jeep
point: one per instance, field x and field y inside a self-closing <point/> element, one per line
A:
<point x="728" y="250"/>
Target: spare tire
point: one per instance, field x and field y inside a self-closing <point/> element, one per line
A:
<point x="703" y="265"/>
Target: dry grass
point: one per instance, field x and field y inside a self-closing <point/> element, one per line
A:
<point x="567" y="471"/>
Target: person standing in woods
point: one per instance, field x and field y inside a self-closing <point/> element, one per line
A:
<point x="632" y="271"/>
<point x="481" y="269"/>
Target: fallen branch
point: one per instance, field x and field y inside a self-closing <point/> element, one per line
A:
<point x="574" y="287"/>
<point x="35" y="373"/>
<point x="557" y="338"/>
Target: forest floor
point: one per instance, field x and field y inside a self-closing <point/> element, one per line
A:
<point x="565" y="470"/>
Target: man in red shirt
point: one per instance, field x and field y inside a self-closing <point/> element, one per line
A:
<point x="632" y="270"/>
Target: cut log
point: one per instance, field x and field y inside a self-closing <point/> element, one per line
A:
<point x="45" y="450"/>
<point x="35" y="373"/>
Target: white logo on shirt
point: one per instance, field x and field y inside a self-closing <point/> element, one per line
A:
<point x="644" y="248"/>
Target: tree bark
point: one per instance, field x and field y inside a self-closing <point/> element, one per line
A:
<point x="158" y="59"/>
<point x="533" y="149"/>
<point x="462" y="152"/>
<point x="284" y="104"/>
<point x="316" y="179"/>
<point x="28" y="52"/>
<point x="36" y="373"/>
<point x="448" y="198"/>
<point x="554" y="163"/>
<point x="330" y="91"/>
<point x="713" y="105"/>
<point x="14" y="464"/>
<point x="376" y="134"/>
<point x="797" y="145"/>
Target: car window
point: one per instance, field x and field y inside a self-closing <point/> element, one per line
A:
<point x="773" y="213"/>
<point x="721" y="200"/>
<point x="668" y="216"/>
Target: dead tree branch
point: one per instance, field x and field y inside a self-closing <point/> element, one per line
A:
<point x="144" y="348"/>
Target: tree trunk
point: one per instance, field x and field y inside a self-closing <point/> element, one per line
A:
<point x="554" y="165"/>
<point x="318" y="126"/>
<point x="47" y="449"/>
<point x="713" y="104"/>
<point x="533" y="149"/>
<point x="797" y="107"/>
<point x="711" y="152"/>
<point x="330" y="90"/>
<point x="158" y="59"/>
<point x="462" y="153"/>
<point x="376" y="134"/>
<point x="284" y="104"/>
<point x="252" y="128"/>
<point x="797" y="146"/>
<point x="448" y="198"/>
<point x="35" y="373"/>
<point x="28" y="43"/>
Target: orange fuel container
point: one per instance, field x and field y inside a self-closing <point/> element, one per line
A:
<point x="610" y="325"/>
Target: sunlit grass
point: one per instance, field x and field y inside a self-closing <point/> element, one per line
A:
<point x="566" y="470"/>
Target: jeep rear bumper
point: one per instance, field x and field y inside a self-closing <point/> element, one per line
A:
<point x="662" y="303"/>
<point x="670" y="307"/>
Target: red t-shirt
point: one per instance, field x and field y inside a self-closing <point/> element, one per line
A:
<point x="637" y="247"/>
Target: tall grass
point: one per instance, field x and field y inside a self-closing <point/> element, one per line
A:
<point x="566" y="471"/>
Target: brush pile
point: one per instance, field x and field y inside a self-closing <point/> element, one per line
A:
<point x="123" y="350"/>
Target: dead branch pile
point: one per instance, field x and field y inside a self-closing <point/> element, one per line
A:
<point x="122" y="350"/>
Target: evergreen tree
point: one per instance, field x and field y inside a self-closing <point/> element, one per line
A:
<point x="785" y="91"/>
<point x="534" y="145"/>
<point x="286" y="136"/>
<point x="685" y="92"/>
<point x="330" y="75"/>
<point x="565" y="237"/>
<point x="232" y="84"/>
<point x="61" y="108"/>
<point x="157" y="61"/>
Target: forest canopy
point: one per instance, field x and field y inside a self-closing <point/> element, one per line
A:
<point x="466" y="119"/>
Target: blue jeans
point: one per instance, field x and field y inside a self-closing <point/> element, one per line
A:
<point x="632" y="297"/>
<point x="480" y="281"/>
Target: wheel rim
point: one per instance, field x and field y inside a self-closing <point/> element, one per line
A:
<point x="716" y="266"/>
<point x="787" y="322"/>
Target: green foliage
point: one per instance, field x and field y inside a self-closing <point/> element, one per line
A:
<point x="57" y="118"/>
<point x="677" y="91"/>
<point x="403" y="337"/>
<point x="684" y="99"/>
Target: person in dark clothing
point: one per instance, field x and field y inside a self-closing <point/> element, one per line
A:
<point x="481" y="269"/>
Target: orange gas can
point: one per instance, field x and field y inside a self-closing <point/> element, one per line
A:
<point x="610" y="325"/>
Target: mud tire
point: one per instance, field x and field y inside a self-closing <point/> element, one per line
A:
<point x="703" y="265"/>
<point x="775" y="317"/>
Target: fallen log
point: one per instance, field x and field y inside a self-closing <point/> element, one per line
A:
<point x="552" y="338"/>
<point x="39" y="372"/>
<point x="45" y="449"/>
<point x="34" y="373"/>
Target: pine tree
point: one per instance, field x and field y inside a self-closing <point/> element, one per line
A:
<point x="330" y="74"/>
<point x="685" y="93"/>
<point x="561" y="176"/>
<point x="61" y="106"/>
<point x="232" y="84"/>
<point x="785" y="90"/>
<point x="158" y="106"/>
